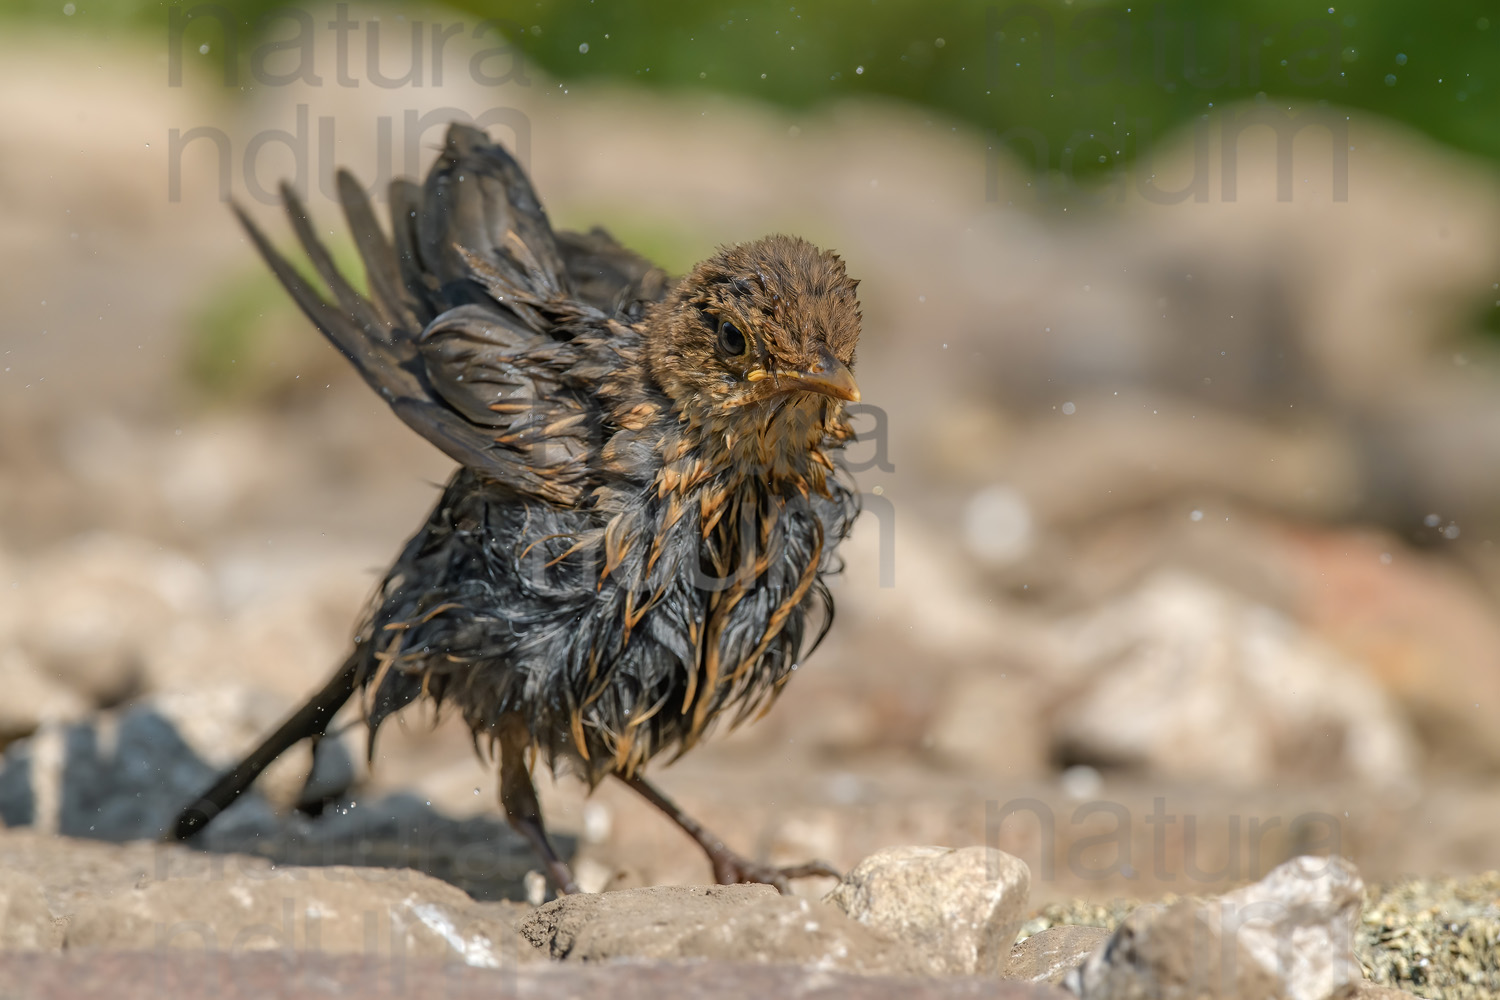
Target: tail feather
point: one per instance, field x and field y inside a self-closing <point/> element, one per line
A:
<point x="371" y="350"/>
<point x="478" y="202"/>
<point x="381" y="269"/>
<point x="474" y="238"/>
<point x="355" y="305"/>
<point x="406" y="207"/>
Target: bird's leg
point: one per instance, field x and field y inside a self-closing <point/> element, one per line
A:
<point x="518" y="799"/>
<point x="729" y="867"/>
<point x="309" y="722"/>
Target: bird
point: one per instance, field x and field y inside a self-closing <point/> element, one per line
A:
<point x="636" y="545"/>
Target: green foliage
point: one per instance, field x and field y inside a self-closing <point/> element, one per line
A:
<point x="223" y="340"/>
<point x="1083" y="80"/>
<point x="1120" y="70"/>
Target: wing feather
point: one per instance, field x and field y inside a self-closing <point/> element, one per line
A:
<point x="471" y="331"/>
<point x="381" y="269"/>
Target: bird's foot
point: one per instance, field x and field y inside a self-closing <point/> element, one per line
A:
<point x="731" y="869"/>
<point x="562" y="878"/>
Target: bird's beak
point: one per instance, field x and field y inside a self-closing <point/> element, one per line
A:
<point x="829" y="375"/>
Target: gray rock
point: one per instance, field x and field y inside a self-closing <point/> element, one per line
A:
<point x="958" y="910"/>
<point x="335" y="910"/>
<point x="90" y="610"/>
<point x="744" y="923"/>
<point x="26" y="921"/>
<point x="1171" y="953"/>
<point x="32" y="696"/>
<point x="1050" y="954"/>
<point x="122" y="776"/>
<point x="182" y="975"/>
<point x="1289" y="935"/>
<point x="70" y="894"/>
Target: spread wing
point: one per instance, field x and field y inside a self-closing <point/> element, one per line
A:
<point x="608" y="276"/>
<point x="481" y="326"/>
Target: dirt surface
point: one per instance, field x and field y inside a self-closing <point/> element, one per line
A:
<point x="126" y="975"/>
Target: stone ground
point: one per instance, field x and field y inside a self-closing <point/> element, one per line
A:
<point x="1437" y="938"/>
<point x="1248" y="575"/>
<point x="127" y="975"/>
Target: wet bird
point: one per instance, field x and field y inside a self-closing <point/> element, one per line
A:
<point x="649" y="501"/>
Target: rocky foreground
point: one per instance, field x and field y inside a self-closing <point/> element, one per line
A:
<point x="84" y="918"/>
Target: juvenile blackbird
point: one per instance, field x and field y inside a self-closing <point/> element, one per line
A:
<point x="636" y="542"/>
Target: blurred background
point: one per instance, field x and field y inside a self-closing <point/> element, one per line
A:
<point x="1181" y="448"/>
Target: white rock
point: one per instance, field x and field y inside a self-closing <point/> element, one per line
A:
<point x="1299" y="922"/>
<point x="32" y="697"/>
<point x="91" y="607"/>
<point x="1289" y="935"/>
<point x="958" y="910"/>
<point x="1193" y="681"/>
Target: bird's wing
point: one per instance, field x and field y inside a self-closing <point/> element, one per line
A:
<point x="608" y="276"/>
<point x="471" y="330"/>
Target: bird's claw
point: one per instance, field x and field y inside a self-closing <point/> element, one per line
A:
<point x="731" y="869"/>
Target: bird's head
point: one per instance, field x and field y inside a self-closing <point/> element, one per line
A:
<point x="758" y="329"/>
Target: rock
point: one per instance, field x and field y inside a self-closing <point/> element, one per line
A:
<point x="26" y="921"/>
<point x="1437" y="936"/>
<point x="957" y="910"/>
<point x="124" y="776"/>
<point x="334" y="910"/>
<point x="1187" y="679"/>
<point x="285" y="621"/>
<point x="1422" y="627"/>
<point x="1171" y="953"/>
<point x="742" y="923"/>
<point x="111" y="616"/>
<point x="112" y="776"/>
<point x="1289" y="935"/>
<point x="177" y="975"/>
<point x="221" y="724"/>
<point x="1364" y="990"/>
<point x="32" y="696"/>
<point x="987" y="722"/>
<point x="69" y="894"/>
<point x="1050" y="954"/>
<point x="94" y="605"/>
<point x="1299" y="922"/>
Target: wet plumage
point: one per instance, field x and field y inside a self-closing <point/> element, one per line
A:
<point x="648" y="500"/>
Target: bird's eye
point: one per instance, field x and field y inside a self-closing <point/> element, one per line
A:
<point x="731" y="341"/>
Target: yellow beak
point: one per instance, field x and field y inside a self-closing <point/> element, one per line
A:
<point x="829" y="375"/>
